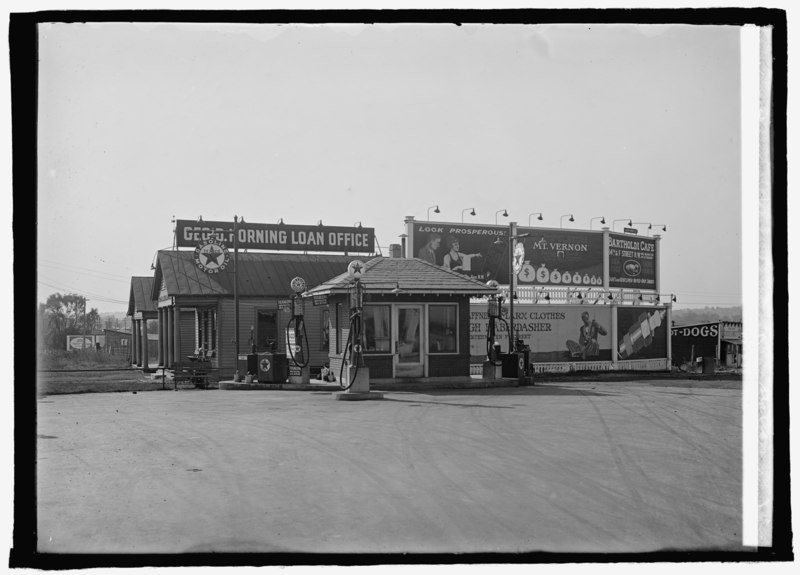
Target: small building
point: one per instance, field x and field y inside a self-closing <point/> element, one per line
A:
<point x="721" y="340"/>
<point x="117" y="342"/>
<point x="196" y="310"/>
<point x="141" y="308"/>
<point x="416" y="318"/>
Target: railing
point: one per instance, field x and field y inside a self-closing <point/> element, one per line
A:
<point x="580" y="296"/>
<point x="659" y="364"/>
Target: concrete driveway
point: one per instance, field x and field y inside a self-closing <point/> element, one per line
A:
<point x="562" y="467"/>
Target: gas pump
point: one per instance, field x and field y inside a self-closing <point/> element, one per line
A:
<point x="492" y="367"/>
<point x="495" y="315"/>
<point x="297" y="338"/>
<point x="353" y="372"/>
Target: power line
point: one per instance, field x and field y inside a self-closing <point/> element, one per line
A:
<point x="88" y="295"/>
<point x="99" y="275"/>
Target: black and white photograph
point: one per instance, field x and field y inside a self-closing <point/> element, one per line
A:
<point x="398" y="287"/>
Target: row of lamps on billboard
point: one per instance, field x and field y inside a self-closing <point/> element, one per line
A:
<point x="540" y="217"/>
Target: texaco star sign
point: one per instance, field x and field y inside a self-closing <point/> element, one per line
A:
<point x="211" y="256"/>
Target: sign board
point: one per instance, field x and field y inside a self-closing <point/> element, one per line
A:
<point x="550" y="256"/>
<point x="631" y="262"/>
<point x="552" y="332"/>
<point x="189" y="234"/>
<point x="285" y="304"/>
<point x="519" y="257"/>
<point x="76" y="342"/>
<point x="642" y="333"/>
<point x="630" y="230"/>
<point x="320" y="300"/>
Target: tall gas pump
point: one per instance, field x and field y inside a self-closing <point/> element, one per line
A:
<point x="297" y="347"/>
<point x="354" y="373"/>
<point x="492" y="366"/>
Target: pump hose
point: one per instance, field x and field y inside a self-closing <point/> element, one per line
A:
<point x="346" y="357"/>
<point x="301" y="325"/>
<point x="508" y="331"/>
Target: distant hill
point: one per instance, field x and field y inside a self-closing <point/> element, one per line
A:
<point x="706" y="314"/>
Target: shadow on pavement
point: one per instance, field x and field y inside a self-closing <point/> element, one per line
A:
<point x="548" y="389"/>
<point x="448" y="403"/>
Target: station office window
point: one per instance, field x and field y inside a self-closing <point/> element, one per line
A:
<point x="377" y="328"/>
<point x="443" y="328"/>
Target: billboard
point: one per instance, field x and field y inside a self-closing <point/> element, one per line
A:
<point x="554" y="333"/>
<point x="631" y="262"/>
<point x="190" y="233"/>
<point x="561" y="258"/>
<point x="693" y="341"/>
<point x="551" y="257"/>
<point x="642" y="332"/>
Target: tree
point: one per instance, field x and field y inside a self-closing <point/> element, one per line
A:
<point x="63" y="315"/>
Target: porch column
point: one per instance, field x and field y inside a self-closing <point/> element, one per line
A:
<point x="170" y="334"/>
<point x="145" y="346"/>
<point x="614" y="335"/>
<point x="139" y="343"/>
<point x="177" y="333"/>
<point x="160" y="337"/>
<point x="133" y="346"/>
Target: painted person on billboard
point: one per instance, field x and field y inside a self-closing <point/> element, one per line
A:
<point x="587" y="346"/>
<point x="455" y="260"/>
<point x="428" y="251"/>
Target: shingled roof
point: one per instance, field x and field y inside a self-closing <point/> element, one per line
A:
<point x="385" y="275"/>
<point x="260" y="274"/>
<point x="141" y="298"/>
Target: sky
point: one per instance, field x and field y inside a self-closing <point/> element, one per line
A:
<point x="143" y="123"/>
<point x="140" y="124"/>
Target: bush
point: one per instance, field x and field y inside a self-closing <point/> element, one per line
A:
<point x="80" y="359"/>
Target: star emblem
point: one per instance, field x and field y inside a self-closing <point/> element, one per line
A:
<point x="211" y="254"/>
<point x="357" y="268"/>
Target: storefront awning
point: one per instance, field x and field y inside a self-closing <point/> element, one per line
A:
<point x="734" y="341"/>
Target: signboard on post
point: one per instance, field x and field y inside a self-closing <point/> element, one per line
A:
<point x="190" y="233"/>
<point x="631" y="262"/>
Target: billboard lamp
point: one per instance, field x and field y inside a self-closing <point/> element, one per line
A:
<point x="472" y="213"/>
<point x="571" y="218"/>
<point x="614" y="223"/>
<point x="540" y="218"/>
<point x="505" y="215"/>
<point x="601" y="218"/>
<point x="436" y="211"/>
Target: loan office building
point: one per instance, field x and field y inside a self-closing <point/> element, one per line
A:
<point x="584" y="299"/>
<point x="200" y="292"/>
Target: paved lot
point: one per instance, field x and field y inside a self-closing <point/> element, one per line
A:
<point x="564" y="467"/>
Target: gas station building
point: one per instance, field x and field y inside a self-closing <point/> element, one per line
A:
<point x="416" y="318"/>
